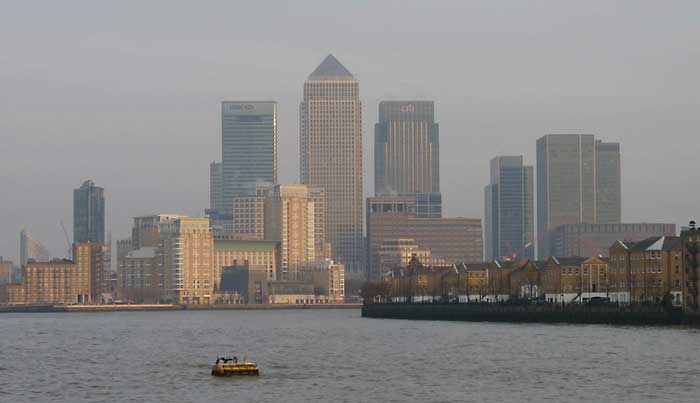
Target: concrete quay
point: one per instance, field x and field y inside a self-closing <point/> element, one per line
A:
<point x="163" y="307"/>
<point x="582" y="314"/>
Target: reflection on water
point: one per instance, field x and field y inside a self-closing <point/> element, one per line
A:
<point x="337" y="355"/>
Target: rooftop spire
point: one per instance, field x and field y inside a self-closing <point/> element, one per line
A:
<point x="331" y="69"/>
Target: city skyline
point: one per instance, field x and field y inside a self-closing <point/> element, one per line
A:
<point x="502" y="117"/>
<point x="427" y="187"/>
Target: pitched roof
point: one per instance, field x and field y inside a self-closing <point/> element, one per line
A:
<point x="658" y="243"/>
<point x="331" y="69"/>
<point x="644" y="244"/>
<point x="570" y="260"/>
<point x="625" y="244"/>
<point x="597" y="260"/>
<point x="474" y="266"/>
<point x="538" y="265"/>
<point x="504" y="264"/>
<point x="672" y="243"/>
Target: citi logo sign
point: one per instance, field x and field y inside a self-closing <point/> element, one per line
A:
<point x="407" y="108"/>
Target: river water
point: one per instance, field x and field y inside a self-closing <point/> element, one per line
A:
<point x="335" y="355"/>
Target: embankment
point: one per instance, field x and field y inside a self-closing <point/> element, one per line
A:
<point x="646" y="316"/>
<point x="163" y="307"/>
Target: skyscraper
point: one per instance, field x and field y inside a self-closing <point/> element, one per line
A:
<point x="406" y="148"/>
<point x="568" y="171"/>
<point x="249" y="148"/>
<point x="608" y="183"/>
<point x="88" y="213"/>
<point x="215" y="186"/>
<point x="509" y="217"/>
<point x="331" y="156"/>
<point x="30" y="248"/>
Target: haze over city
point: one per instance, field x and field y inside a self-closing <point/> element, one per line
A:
<point x="129" y="95"/>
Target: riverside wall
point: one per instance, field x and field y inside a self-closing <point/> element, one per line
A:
<point x="164" y="307"/>
<point x="643" y="316"/>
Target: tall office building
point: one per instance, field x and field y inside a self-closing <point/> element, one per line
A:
<point x="216" y="186"/>
<point x="88" y="213"/>
<point x="509" y="216"/>
<point x="569" y="167"/>
<point x="406" y="148"/>
<point x="249" y="148"/>
<point x="608" y="183"/>
<point x="31" y="249"/>
<point x="331" y="157"/>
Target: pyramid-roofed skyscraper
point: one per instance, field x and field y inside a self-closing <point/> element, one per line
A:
<point x="331" y="69"/>
<point x="331" y="157"/>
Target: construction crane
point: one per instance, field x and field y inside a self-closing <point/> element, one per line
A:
<point x="70" y="249"/>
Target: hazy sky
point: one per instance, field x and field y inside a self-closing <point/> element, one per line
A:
<point x="128" y="94"/>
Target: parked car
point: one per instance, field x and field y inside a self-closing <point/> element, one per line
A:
<point x="598" y="301"/>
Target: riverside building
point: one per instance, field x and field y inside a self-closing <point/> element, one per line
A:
<point x="139" y="276"/>
<point x="291" y="218"/>
<point x="649" y="270"/>
<point x="690" y="260"/>
<point x="331" y="157"/>
<point x="258" y="254"/>
<point x="328" y="279"/>
<point x="186" y="257"/>
<point x="60" y="281"/>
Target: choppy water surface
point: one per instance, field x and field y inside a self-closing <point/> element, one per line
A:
<point x="338" y="356"/>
